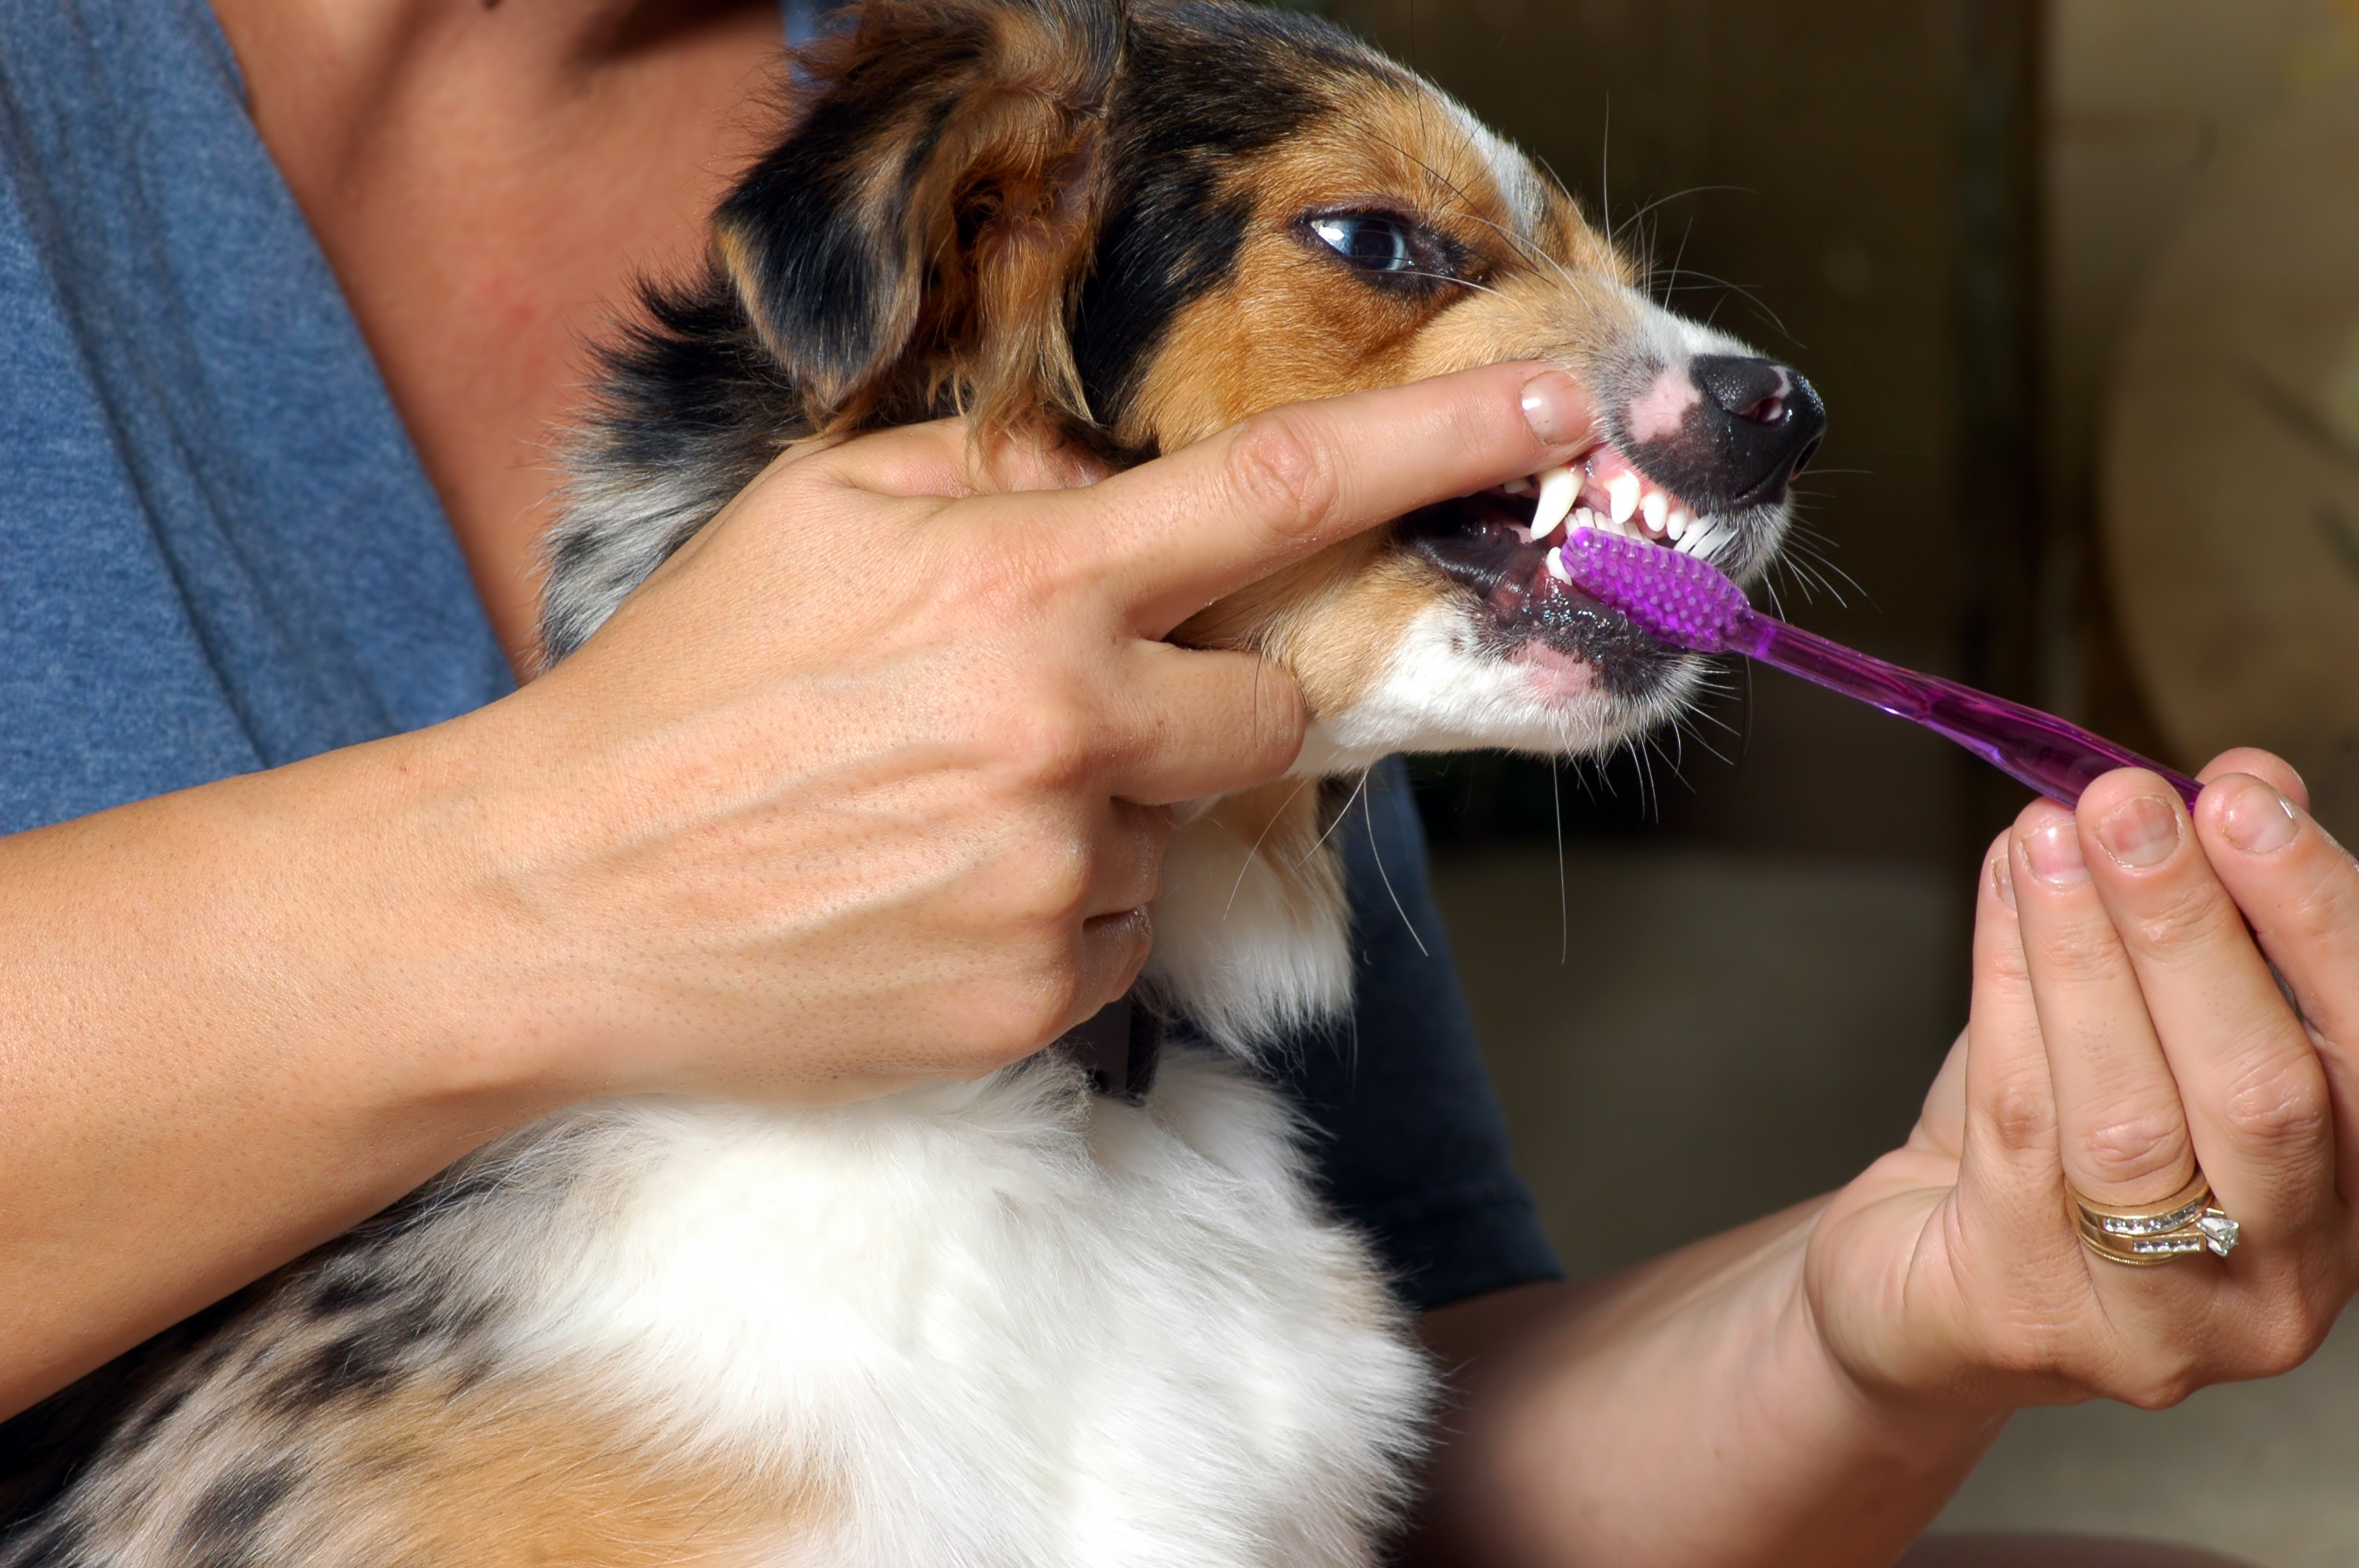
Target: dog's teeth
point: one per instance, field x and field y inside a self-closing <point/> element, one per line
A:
<point x="1678" y="523"/>
<point x="1559" y="488"/>
<point x="1655" y="509"/>
<point x="1556" y="564"/>
<point x="1622" y="493"/>
<point x="1517" y="487"/>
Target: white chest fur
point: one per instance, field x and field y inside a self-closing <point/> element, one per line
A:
<point x="995" y="1322"/>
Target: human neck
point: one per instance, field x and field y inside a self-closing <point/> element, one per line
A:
<point x="328" y="62"/>
<point x="488" y="182"/>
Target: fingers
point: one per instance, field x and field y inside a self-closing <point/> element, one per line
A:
<point x="2300" y="888"/>
<point x="2011" y="1102"/>
<point x="2265" y="765"/>
<point x="930" y="459"/>
<point x="2009" y="1161"/>
<point x="2253" y="1090"/>
<point x="1204" y="723"/>
<point x="1174" y="535"/>
<point x="2125" y="1138"/>
<point x="1127" y="861"/>
<point x="1117" y="927"/>
<point x="1114" y="949"/>
<point x="940" y="459"/>
<point x="1177" y="533"/>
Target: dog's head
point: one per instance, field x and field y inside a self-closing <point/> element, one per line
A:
<point x="1137" y="224"/>
<point x="1128" y="223"/>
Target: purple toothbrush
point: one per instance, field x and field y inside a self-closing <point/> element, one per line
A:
<point x="1684" y="599"/>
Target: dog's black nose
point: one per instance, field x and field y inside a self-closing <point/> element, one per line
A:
<point x="1756" y="425"/>
<point x="1764" y="416"/>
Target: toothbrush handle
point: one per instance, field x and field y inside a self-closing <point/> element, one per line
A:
<point x="2057" y="757"/>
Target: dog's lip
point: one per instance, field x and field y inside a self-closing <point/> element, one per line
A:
<point x="1482" y="543"/>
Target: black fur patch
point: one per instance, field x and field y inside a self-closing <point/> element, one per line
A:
<point x="150" y="1420"/>
<point x="822" y="245"/>
<point x="364" y="1363"/>
<point x="820" y="267"/>
<point x="1203" y="88"/>
<point x="59" y="1543"/>
<point x="349" y="1291"/>
<point x="219" y="1531"/>
<point x="43" y="1448"/>
<point x="694" y="374"/>
<point x="1173" y="242"/>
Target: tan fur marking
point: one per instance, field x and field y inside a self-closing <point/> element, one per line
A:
<point x="993" y="231"/>
<point x="1334" y="620"/>
<point x="1294" y="326"/>
<point x="519" y="1480"/>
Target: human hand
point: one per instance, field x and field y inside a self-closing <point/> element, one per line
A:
<point x="867" y="785"/>
<point x="2124" y="1029"/>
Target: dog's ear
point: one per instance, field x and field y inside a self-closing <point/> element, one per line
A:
<point x="917" y="243"/>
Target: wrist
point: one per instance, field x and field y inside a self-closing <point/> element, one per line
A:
<point x="1908" y="1428"/>
<point x="1893" y="1456"/>
<point x="245" y="1016"/>
<point x="512" y="1020"/>
<point x="377" y="878"/>
<point x="1693" y="1410"/>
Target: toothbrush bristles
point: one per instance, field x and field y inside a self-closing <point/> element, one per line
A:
<point x="1669" y="594"/>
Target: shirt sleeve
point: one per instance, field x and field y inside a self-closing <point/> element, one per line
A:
<point x="1411" y="1145"/>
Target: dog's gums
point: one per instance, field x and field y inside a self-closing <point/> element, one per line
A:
<point x="1509" y="559"/>
<point x="1484" y="544"/>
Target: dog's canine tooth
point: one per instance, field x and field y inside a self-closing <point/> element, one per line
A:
<point x="1622" y="491"/>
<point x="1559" y="488"/>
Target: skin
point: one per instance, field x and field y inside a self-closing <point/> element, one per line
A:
<point x="903" y="833"/>
<point x="1872" y="1345"/>
<point x="912" y="829"/>
<point x="914" y="833"/>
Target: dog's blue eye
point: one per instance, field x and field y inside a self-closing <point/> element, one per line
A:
<point x="1368" y="240"/>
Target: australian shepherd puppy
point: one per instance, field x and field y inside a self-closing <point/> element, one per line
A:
<point x="1010" y="1321"/>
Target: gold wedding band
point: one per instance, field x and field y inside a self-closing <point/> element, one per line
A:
<point x="2185" y="1223"/>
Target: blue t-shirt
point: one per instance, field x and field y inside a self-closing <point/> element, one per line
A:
<point x="219" y="553"/>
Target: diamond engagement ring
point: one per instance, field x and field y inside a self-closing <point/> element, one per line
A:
<point x="2183" y="1224"/>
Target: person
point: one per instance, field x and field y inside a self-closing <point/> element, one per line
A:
<point x="303" y="896"/>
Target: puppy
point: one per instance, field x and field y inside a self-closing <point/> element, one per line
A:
<point x="1011" y="1321"/>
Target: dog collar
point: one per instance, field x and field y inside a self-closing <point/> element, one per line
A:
<point x="1119" y="1047"/>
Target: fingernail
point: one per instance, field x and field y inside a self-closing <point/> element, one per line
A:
<point x="2257" y="819"/>
<point x="1555" y="409"/>
<point x="2054" y="853"/>
<point x="2140" y="832"/>
<point x="2002" y="880"/>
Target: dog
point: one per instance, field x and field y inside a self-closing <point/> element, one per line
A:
<point x="1013" y="1319"/>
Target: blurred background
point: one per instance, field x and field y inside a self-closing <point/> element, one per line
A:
<point x="2079" y="281"/>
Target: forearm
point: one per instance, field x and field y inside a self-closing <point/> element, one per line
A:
<point x="233" y="1021"/>
<point x="1684" y="1413"/>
